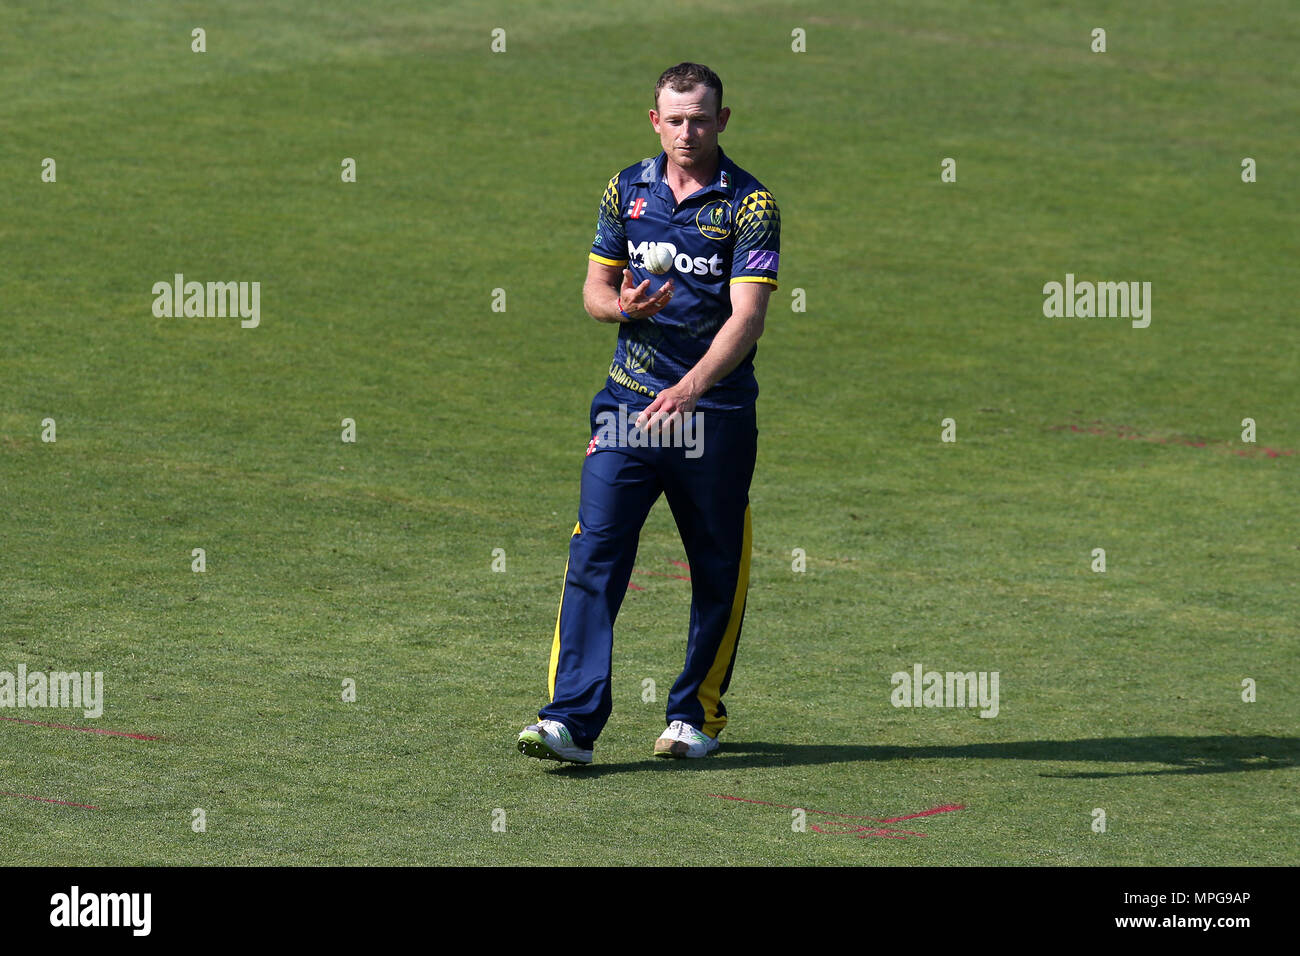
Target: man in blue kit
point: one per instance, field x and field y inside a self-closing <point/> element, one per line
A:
<point x="676" y="416"/>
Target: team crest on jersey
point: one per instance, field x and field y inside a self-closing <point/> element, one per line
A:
<point x="640" y="357"/>
<point x="642" y="347"/>
<point x="714" y="219"/>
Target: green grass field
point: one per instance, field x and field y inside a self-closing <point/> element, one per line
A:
<point x="372" y="561"/>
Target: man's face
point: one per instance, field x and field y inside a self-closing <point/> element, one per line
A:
<point x="688" y="125"/>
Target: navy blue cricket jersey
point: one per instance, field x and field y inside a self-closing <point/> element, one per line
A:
<point x="729" y="231"/>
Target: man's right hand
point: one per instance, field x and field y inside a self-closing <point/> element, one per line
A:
<point x="634" y="301"/>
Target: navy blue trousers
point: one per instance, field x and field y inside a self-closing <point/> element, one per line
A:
<point x="709" y="498"/>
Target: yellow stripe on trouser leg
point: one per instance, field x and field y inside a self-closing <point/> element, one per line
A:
<point x="710" y="692"/>
<point x="555" y="644"/>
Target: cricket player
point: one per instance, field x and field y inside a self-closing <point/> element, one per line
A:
<point x="676" y="416"/>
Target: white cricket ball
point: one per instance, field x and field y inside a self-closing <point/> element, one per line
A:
<point x="658" y="258"/>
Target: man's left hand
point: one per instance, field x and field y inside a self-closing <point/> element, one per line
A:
<point x="669" y="406"/>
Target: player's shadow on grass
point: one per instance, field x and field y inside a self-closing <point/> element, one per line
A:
<point x="1180" y="755"/>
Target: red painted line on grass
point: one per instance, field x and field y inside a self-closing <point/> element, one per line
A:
<point x="660" y="574"/>
<point x="84" y="730"/>
<point x="946" y="808"/>
<point x="62" y="803"/>
<point x="634" y="587"/>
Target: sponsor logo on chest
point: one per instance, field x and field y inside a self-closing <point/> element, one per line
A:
<point x="682" y="262"/>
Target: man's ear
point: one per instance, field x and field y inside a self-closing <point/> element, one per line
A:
<point x="724" y="114"/>
<point x="654" y="120"/>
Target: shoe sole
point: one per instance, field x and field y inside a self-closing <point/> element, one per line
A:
<point x="531" y="744"/>
<point x="677" y="748"/>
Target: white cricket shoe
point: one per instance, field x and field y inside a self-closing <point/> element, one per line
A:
<point x="683" y="740"/>
<point x="550" y="740"/>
